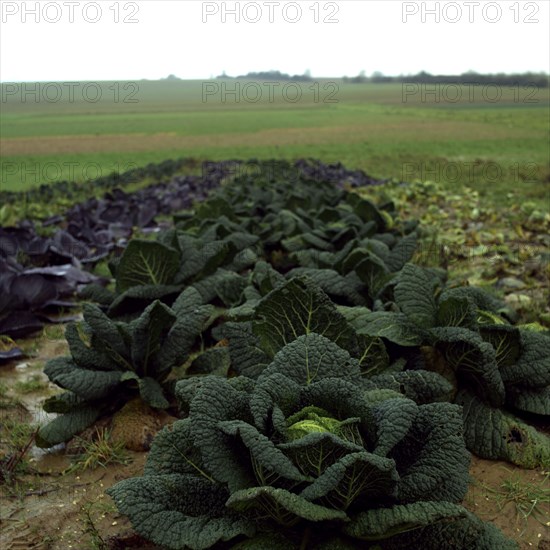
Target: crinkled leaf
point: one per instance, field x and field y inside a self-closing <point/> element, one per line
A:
<point x="373" y="357"/>
<point x="395" y="327"/>
<point x="137" y="298"/>
<point x="146" y="263"/>
<point x="372" y="271"/>
<point x="316" y="451"/>
<point x="266" y="278"/>
<point x="473" y="360"/>
<point x="466" y="533"/>
<point x="151" y="392"/>
<point x="393" y="419"/>
<point x="456" y="311"/>
<point x="269" y="463"/>
<point x="356" y="475"/>
<point x="301" y="307"/>
<point x="402" y="252"/>
<point x="535" y="401"/>
<point x="342" y="398"/>
<point x="414" y="294"/>
<point x="532" y="369"/>
<point x="98" y="294"/>
<point x="212" y="361"/>
<point x="431" y="459"/>
<point x="226" y="285"/>
<point x="65" y="427"/>
<point x="481" y="298"/>
<point x="179" y="511"/>
<point x="147" y="331"/>
<point x="494" y="434"/>
<point x="247" y="357"/>
<point x="173" y="452"/>
<point x="356" y="316"/>
<point x="311" y="358"/>
<point x="367" y="211"/>
<point x="276" y="389"/>
<point x="284" y="507"/>
<point x="85" y="383"/>
<point x="419" y="385"/>
<point x="297" y="308"/>
<point x="86" y="357"/>
<point x="332" y="283"/>
<point x="505" y="339"/>
<point x="191" y="317"/>
<point x="104" y="332"/>
<point x="62" y="403"/>
<point x="383" y="523"/>
<point x="216" y="400"/>
<point x="186" y="389"/>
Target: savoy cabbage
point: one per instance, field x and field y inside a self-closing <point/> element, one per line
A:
<point x="112" y="361"/>
<point x="498" y="370"/>
<point x="306" y="456"/>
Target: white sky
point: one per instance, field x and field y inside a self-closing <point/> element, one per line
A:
<point x="191" y="40"/>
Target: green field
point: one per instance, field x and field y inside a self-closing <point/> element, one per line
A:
<point x="494" y="146"/>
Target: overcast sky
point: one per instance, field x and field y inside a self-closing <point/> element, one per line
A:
<point x="109" y="40"/>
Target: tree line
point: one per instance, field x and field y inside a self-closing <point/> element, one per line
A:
<point x="540" y="80"/>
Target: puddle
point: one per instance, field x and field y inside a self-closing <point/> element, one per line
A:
<point x="26" y="388"/>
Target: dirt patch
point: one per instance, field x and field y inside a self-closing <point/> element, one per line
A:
<point x="515" y="500"/>
<point x="49" y="509"/>
<point x="414" y="129"/>
<point x="45" y="502"/>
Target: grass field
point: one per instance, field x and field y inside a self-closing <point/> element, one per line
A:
<point x="465" y="136"/>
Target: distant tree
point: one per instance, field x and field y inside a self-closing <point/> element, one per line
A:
<point x="360" y="78"/>
<point x="272" y="75"/>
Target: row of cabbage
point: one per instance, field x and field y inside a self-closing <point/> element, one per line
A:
<point x="331" y="388"/>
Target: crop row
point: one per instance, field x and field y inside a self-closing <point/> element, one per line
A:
<point x="42" y="261"/>
<point x="331" y="388"/>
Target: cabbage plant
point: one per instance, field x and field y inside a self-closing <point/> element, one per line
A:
<point x="306" y="456"/>
<point x="498" y="370"/>
<point x="111" y="362"/>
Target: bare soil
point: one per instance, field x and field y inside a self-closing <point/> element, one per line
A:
<point x="500" y="491"/>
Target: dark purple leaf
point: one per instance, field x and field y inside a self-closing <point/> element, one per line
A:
<point x="113" y="213"/>
<point x="33" y="290"/>
<point x="66" y="245"/>
<point x="20" y="323"/>
<point x="13" y="353"/>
